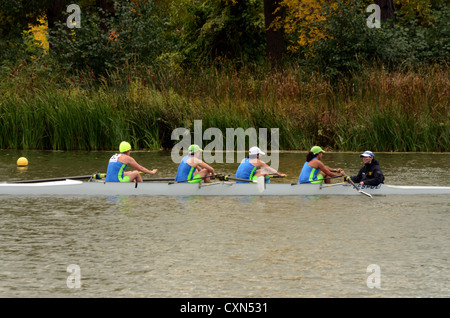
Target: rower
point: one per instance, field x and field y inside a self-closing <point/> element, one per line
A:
<point x="192" y="169"/>
<point x="118" y="163"/>
<point x="314" y="171"/>
<point x="248" y="169"/>
<point x="370" y="174"/>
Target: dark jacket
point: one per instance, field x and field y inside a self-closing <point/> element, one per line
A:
<point x="371" y="174"/>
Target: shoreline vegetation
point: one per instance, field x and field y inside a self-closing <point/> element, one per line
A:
<point x="396" y="111"/>
<point x="136" y="70"/>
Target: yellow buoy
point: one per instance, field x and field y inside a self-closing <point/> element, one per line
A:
<point x="22" y="162"/>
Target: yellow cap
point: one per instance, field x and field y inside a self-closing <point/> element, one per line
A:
<point x="124" y="146"/>
<point x="316" y="149"/>
<point x="194" y="148"/>
<point x="22" y="162"/>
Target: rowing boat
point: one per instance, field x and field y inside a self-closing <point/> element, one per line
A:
<point x="221" y="188"/>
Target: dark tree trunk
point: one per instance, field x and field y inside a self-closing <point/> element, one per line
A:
<point x="387" y="9"/>
<point x="274" y="37"/>
<point x="105" y="5"/>
<point x="107" y="8"/>
<point x="55" y="12"/>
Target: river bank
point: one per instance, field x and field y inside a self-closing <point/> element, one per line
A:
<point x="378" y="110"/>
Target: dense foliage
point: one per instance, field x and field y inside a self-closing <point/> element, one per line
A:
<point x="137" y="69"/>
<point x="331" y="35"/>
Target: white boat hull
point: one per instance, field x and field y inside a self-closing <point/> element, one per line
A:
<point x="74" y="187"/>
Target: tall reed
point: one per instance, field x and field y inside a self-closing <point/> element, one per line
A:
<point x="376" y="109"/>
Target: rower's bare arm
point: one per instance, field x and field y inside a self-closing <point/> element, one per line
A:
<point x="266" y="168"/>
<point x="196" y="163"/>
<point x="327" y="170"/>
<point x="138" y="167"/>
<point x="322" y="167"/>
<point x="338" y="170"/>
<point x="206" y="166"/>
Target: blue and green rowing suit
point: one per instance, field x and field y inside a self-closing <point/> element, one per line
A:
<point x="246" y="170"/>
<point x="186" y="172"/>
<point x="115" y="172"/>
<point x="310" y="174"/>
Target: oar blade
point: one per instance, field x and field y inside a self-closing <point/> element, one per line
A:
<point x="261" y="183"/>
<point x="366" y="194"/>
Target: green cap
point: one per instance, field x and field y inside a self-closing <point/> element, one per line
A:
<point x="194" y="148"/>
<point x="124" y="146"/>
<point x="316" y="150"/>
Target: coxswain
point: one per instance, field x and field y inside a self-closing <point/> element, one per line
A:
<point x="370" y="174"/>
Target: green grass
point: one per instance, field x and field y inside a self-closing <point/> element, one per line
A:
<point x="374" y="110"/>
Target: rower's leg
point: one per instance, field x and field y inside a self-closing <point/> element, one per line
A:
<point x="203" y="173"/>
<point x="260" y="173"/>
<point x="134" y="176"/>
<point x="322" y="176"/>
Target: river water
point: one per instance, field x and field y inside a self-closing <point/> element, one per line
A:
<point x="288" y="247"/>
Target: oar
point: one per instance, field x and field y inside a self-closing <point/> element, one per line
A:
<point x="305" y="182"/>
<point x="158" y="179"/>
<point x="226" y="178"/>
<point x="56" y="179"/>
<point x="347" y="178"/>
<point x="260" y="182"/>
<point x="213" y="176"/>
<point x="275" y="176"/>
<point x="327" y="185"/>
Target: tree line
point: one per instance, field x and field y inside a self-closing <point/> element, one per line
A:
<point x="325" y="35"/>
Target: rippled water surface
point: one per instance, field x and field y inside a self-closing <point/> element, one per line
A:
<point x="136" y="246"/>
